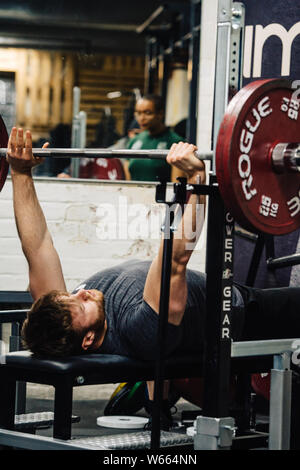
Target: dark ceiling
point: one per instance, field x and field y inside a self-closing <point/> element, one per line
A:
<point x="90" y="26"/>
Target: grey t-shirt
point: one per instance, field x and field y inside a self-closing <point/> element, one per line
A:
<point x="132" y="324"/>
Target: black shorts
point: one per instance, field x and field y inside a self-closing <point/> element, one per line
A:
<point x="271" y="313"/>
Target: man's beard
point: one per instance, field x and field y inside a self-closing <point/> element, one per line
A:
<point x="98" y="324"/>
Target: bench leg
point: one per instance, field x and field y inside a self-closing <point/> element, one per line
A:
<point x="7" y="403"/>
<point x="62" y="426"/>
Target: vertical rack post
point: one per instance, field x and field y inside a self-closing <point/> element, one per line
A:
<point x="78" y="130"/>
<point x="223" y="60"/>
<point x="219" y="254"/>
<point x="149" y="69"/>
<point x="193" y="69"/>
<point x="168" y="229"/>
<point x="217" y="354"/>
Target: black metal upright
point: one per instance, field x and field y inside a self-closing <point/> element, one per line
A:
<point x="219" y="269"/>
<point x="193" y="70"/>
<point x="180" y="197"/>
<point x="163" y="320"/>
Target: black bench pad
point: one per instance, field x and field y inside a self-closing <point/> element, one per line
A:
<point x="93" y="368"/>
<point x="108" y="368"/>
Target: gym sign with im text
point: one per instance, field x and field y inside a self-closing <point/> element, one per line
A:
<point x="272" y="39"/>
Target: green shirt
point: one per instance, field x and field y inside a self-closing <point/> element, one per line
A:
<point x="142" y="169"/>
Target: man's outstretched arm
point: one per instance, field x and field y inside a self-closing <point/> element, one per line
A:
<point x="185" y="238"/>
<point x="45" y="272"/>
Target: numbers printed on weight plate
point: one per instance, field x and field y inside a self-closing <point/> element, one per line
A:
<point x="267" y="207"/>
<point x="294" y="205"/>
<point x="291" y="107"/>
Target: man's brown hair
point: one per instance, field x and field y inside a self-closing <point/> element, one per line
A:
<point x="48" y="330"/>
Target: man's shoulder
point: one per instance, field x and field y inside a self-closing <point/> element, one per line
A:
<point x="104" y="278"/>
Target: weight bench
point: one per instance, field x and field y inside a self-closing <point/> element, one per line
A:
<point x="65" y="373"/>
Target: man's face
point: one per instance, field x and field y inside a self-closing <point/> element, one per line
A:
<point x="87" y="310"/>
<point x="147" y="117"/>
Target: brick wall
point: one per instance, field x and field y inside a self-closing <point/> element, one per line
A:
<point x="94" y="225"/>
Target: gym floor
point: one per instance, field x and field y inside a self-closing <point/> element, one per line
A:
<point x="88" y="403"/>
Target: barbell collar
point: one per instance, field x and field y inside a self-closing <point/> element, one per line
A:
<point x="286" y="157"/>
<point x="105" y="153"/>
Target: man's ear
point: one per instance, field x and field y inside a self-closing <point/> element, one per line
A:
<point x="88" y="340"/>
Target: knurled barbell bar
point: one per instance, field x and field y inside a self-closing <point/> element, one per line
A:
<point x="155" y="154"/>
<point x="257" y="157"/>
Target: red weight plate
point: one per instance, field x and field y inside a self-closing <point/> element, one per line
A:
<point x="3" y="162"/>
<point x="258" y="117"/>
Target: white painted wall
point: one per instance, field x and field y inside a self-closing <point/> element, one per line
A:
<point x="76" y="219"/>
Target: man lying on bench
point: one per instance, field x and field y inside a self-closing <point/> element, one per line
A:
<point x="116" y="310"/>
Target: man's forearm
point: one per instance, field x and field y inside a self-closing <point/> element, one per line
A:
<point x="182" y="156"/>
<point x="190" y="226"/>
<point x="30" y="220"/>
<point x="188" y="230"/>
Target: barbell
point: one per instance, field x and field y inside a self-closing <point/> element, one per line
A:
<point x="155" y="154"/>
<point x="257" y="157"/>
